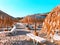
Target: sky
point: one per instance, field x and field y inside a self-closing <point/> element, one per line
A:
<point x="21" y="8"/>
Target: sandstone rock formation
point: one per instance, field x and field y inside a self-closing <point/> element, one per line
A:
<point x="52" y="21"/>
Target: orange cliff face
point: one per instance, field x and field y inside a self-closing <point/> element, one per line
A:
<point x="52" y="21"/>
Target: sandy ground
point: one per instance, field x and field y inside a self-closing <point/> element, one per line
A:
<point x="43" y="34"/>
<point x="20" y="38"/>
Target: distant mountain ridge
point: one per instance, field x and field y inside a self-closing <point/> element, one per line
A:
<point x="39" y="17"/>
<point x="3" y="14"/>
